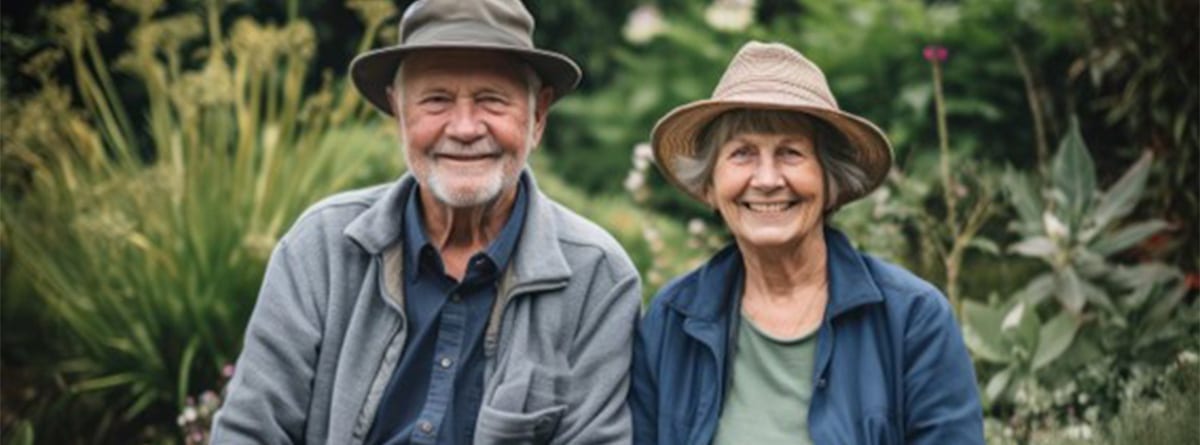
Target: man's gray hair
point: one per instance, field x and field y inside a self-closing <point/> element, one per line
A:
<point x="842" y="173"/>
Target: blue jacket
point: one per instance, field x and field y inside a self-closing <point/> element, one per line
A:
<point x="891" y="366"/>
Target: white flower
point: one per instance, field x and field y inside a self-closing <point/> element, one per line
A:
<point x="1054" y="227"/>
<point x="1188" y="357"/>
<point x="696" y="227"/>
<point x="645" y="22"/>
<point x="634" y="181"/>
<point x="1078" y="432"/>
<point x="189" y="414"/>
<point x="730" y="15"/>
<point x="642" y="156"/>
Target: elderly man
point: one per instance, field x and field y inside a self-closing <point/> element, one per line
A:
<point x="459" y="304"/>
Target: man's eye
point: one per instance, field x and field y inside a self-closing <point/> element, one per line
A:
<point x="491" y="100"/>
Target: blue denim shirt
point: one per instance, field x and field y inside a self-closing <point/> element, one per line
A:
<point x="434" y="395"/>
<point x="891" y="366"/>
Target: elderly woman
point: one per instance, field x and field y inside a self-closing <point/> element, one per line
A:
<point x="790" y="335"/>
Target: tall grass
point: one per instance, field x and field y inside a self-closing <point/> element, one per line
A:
<point x="143" y="238"/>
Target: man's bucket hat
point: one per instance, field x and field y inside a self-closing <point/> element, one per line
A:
<point x="499" y="25"/>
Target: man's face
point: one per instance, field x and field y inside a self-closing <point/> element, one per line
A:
<point x="467" y="123"/>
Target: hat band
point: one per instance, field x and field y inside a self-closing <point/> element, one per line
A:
<point x="771" y="89"/>
<point x="466" y="33"/>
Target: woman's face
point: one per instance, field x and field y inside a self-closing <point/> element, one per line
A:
<point x="769" y="187"/>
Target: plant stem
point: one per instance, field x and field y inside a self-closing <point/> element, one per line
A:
<point x="953" y="259"/>
<point x="948" y="185"/>
<point x="1035" y="109"/>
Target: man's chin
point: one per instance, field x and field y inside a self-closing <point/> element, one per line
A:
<point x="466" y="196"/>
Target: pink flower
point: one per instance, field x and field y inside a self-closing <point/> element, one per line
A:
<point x="227" y="371"/>
<point x="936" y="53"/>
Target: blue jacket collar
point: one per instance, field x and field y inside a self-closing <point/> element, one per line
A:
<point x="718" y="281"/>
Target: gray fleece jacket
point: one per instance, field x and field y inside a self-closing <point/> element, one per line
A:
<point x="328" y="330"/>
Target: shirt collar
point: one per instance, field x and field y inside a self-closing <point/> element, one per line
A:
<point x="851" y="283"/>
<point x="498" y="252"/>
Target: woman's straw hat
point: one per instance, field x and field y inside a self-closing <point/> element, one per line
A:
<point x="770" y="76"/>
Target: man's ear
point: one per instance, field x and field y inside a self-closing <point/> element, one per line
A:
<point x="544" y="98"/>
<point x="393" y="102"/>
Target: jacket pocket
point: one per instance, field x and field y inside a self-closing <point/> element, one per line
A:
<point x="526" y="407"/>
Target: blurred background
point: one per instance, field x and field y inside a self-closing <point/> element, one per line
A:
<point x="152" y="153"/>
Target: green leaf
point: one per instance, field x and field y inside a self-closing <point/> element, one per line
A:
<point x="1074" y="172"/>
<point x="997" y="384"/>
<point x="22" y="433"/>
<point x="1020" y="193"/>
<point x="1123" y="196"/>
<point x="1070" y="290"/>
<point x="1037" y="290"/>
<point x="981" y="332"/>
<point x="984" y="245"/>
<point x="1166" y="304"/>
<point x="1126" y="237"/>
<point x="108" y="381"/>
<point x="185" y="370"/>
<point x="1034" y="246"/>
<point x="1021" y="325"/>
<point x="1054" y="338"/>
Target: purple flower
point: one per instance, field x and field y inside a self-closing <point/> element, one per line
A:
<point x="227" y="371"/>
<point x="936" y="53"/>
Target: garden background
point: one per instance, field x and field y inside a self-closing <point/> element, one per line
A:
<point x="1046" y="179"/>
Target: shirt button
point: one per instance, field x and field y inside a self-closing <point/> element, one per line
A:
<point x="455" y="297"/>
<point x="425" y="427"/>
<point x="821" y="383"/>
<point x="446" y="362"/>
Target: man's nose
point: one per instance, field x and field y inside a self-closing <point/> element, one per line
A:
<point x="465" y="124"/>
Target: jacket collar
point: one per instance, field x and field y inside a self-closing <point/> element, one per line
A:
<point x="719" y="280"/>
<point x="537" y="258"/>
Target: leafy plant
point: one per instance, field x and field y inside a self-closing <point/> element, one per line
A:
<point x="1089" y="325"/>
<point x="1075" y="228"/>
<point x="147" y="248"/>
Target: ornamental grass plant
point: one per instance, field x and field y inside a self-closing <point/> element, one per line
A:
<point x="133" y="244"/>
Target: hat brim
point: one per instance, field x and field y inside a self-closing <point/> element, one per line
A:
<point x="677" y="133"/>
<point x="373" y="71"/>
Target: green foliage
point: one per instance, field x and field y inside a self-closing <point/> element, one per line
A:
<point x="1170" y="419"/>
<point x="1078" y="231"/>
<point x="148" y="268"/>
<point x="1075" y="228"/>
<point x="139" y="203"/>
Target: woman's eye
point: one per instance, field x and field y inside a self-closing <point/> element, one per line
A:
<point x="791" y="153"/>
<point x="742" y="152"/>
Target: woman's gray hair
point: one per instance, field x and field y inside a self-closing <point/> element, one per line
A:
<point x="842" y="173"/>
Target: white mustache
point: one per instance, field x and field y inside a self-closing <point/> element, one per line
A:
<point x="483" y="147"/>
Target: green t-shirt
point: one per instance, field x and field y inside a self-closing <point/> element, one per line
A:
<point x="770" y="390"/>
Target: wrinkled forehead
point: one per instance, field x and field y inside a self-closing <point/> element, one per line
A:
<point x="433" y="66"/>
<point x="739" y="122"/>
